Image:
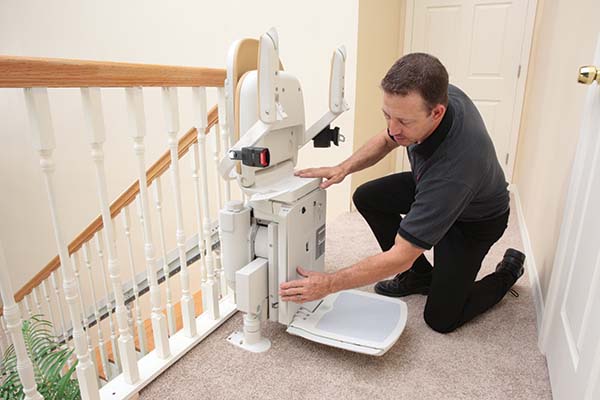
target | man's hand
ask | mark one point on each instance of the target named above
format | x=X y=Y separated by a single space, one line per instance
x=314 y=286
x=332 y=174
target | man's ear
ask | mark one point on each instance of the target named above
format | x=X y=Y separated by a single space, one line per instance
x=438 y=112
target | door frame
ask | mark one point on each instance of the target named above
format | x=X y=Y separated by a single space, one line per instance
x=524 y=58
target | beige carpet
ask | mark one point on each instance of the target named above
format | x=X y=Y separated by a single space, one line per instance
x=494 y=356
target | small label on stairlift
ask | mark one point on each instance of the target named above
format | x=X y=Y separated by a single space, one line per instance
x=320 y=245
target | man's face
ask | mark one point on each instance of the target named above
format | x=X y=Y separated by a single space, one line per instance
x=408 y=118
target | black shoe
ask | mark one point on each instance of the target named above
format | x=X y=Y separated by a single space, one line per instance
x=408 y=282
x=512 y=263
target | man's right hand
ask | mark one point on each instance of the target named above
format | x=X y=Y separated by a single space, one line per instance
x=331 y=174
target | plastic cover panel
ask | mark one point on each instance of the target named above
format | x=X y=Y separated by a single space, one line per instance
x=361 y=317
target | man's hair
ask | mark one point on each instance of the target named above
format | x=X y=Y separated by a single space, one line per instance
x=421 y=73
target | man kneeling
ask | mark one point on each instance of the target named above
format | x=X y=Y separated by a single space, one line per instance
x=455 y=200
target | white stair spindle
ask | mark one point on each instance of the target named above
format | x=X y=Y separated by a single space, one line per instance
x=43 y=139
x=224 y=134
x=14 y=322
x=75 y=263
x=124 y=354
x=109 y=303
x=57 y=297
x=86 y=321
x=138 y=131
x=225 y=145
x=198 y=193
x=4 y=338
x=38 y=306
x=213 y=144
x=51 y=313
x=188 y=312
x=136 y=291
x=210 y=290
x=65 y=328
x=163 y=249
x=101 y=343
x=214 y=147
x=27 y=302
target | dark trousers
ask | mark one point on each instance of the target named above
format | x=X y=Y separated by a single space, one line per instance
x=454 y=297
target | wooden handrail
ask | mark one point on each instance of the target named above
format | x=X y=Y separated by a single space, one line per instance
x=22 y=72
x=126 y=198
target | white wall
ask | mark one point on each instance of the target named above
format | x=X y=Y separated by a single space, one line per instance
x=564 y=39
x=179 y=32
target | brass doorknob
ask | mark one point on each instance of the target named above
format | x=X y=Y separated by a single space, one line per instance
x=588 y=74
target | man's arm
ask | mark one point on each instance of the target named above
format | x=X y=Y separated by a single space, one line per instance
x=369 y=154
x=317 y=285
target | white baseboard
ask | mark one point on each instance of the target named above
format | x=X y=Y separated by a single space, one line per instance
x=530 y=264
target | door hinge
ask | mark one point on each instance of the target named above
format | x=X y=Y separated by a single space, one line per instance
x=506 y=160
x=519 y=72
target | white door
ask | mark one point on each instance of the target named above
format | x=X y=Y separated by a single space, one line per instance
x=480 y=43
x=571 y=325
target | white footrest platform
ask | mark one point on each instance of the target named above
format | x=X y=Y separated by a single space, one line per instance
x=352 y=320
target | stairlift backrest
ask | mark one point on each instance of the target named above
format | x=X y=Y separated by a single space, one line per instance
x=241 y=58
x=284 y=135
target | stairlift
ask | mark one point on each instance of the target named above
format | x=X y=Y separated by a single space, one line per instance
x=282 y=224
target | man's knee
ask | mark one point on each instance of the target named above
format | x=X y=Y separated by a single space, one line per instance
x=439 y=324
x=360 y=197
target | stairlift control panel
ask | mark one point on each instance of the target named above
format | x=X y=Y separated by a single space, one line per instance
x=282 y=224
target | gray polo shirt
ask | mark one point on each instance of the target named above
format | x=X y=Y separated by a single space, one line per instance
x=457 y=175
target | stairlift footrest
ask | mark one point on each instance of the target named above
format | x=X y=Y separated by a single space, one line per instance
x=353 y=320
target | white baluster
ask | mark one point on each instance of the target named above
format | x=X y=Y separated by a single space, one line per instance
x=84 y=314
x=43 y=138
x=86 y=321
x=138 y=313
x=210 y=290
x=51 y=313
x=188 y=312
x=13 y=321
x=101 y=343
x=225 y=145
x=200 y=227
x=141 y=333
x=163 y=249
x=27 y=300
x=109 y=302
x=138 y=131
x=4 y=338
x=125 y=357
x=213 y=144
x=57 y=297
x=224 y=134
x=36 y=300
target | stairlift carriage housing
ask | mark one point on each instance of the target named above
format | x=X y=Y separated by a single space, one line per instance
x=282 y=225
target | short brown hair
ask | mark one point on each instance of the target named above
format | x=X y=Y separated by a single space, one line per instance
x=421 y=73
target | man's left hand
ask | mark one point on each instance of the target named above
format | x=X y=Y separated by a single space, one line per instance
x=314 y=286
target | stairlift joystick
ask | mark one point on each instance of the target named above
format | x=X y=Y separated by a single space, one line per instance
x=282 y=225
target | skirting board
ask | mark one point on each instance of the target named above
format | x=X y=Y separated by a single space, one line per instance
x=530 y=264
x=151 y=365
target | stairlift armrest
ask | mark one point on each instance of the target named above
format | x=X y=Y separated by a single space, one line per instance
x=317 y=127
x=337 y=101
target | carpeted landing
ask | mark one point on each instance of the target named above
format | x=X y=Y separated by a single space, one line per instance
x=494 y=356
